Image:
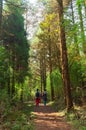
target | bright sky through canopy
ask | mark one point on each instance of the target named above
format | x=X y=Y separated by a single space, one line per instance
x=32 y=1
x=35 y=16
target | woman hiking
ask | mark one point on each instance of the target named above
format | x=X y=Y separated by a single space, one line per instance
x=37 y=97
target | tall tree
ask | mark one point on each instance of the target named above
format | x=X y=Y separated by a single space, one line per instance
x=43 y=67
x=64 y=59
x=15 y=41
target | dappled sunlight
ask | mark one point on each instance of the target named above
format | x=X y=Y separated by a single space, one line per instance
x=46 y=118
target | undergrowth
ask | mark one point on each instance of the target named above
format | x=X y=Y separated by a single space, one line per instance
x=77 y=118
x=19 y=117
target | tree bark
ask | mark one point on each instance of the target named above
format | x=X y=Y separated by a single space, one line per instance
x=64 y=59
x=82 y=28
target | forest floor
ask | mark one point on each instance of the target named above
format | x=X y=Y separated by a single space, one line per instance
x=26 y=116
x=47 y=119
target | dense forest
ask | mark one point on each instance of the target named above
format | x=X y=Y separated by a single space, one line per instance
x=42 y=46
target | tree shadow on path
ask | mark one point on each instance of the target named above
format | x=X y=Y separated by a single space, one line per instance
x=47 y=119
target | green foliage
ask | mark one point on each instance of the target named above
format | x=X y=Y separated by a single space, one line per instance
x=16 y=45
x=49 y=29
x=78 y=125
x=77 y=75
x=83 y=67
x=79 y=2
x=77 y=118
x=48 y=87
x=57 y=83
x=16 y=127
x=5 y=106
x=18 y=117
x=56 y=76
x=4 y=69
x=16 y=38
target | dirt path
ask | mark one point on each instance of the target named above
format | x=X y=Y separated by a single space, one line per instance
x=47 y=119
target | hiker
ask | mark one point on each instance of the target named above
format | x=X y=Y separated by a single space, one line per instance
x=37 y=97
x=45 y=97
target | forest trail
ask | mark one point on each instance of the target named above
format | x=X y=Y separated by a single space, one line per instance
x=47 y=119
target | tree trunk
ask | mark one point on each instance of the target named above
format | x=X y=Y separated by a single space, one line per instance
x=13 y=74
x=43 y=69
x=82 y=29
x=84 y=2
x=13 y=84
x=8 y=87
x=75 y=34
x=50 y=63
x=1 y=6
x=64 y=59
x=21 y=96
x=41 y=79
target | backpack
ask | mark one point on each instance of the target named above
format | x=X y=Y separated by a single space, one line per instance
x=37 y=94
x=45 y=96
